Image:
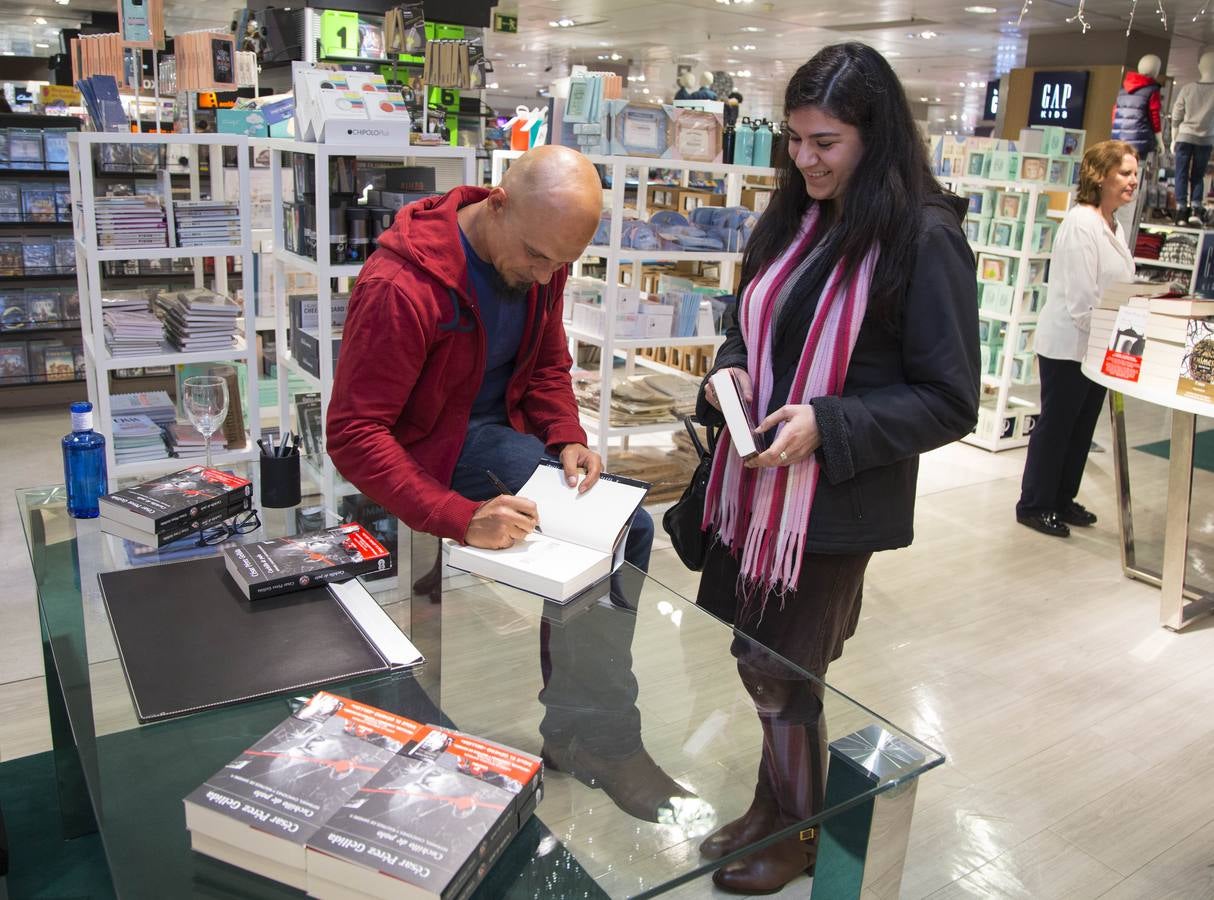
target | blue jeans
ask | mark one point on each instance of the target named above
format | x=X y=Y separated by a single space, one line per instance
x=1191 y=160
x=589 y=694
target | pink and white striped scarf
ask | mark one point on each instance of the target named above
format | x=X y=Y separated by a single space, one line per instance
x=763 y=514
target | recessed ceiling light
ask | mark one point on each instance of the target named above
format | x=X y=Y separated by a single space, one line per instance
x=644 y=90
x=891 y=53
x=43 y=46
x=638 y=78
x=922 y=99
x=492 y=85
x=982 y=10
x=615 y=57
x=936 y=100
x=752 y=28
x=953 y=117
x=38 y=20
x=562 y=22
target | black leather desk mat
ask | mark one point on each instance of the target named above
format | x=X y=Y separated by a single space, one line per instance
x=189 y=640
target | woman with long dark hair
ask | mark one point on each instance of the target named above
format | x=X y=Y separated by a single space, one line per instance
x=857 y=344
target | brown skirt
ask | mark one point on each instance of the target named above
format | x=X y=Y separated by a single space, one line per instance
x=808 y=626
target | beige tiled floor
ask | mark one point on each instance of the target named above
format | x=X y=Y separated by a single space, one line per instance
x=1078 y=732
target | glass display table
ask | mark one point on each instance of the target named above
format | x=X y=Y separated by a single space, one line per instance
x=631 y=691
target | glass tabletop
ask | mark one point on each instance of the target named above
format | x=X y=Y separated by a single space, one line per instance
x=632 y=694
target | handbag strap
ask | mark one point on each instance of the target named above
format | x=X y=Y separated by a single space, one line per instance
x=713 y=434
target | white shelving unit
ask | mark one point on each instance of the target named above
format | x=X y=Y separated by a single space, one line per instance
x=1153 y=266
x=89 y=257
x=616 y=257
x=325 y=271
x=1013 y=399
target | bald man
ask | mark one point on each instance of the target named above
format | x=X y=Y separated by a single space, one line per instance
x=454 y=358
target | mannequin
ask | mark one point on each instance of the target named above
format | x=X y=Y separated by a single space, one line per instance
x=706 y=92
x=1193 y=132
x=1136 y=118
x=687 y=83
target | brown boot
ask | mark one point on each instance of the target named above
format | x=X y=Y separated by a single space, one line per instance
x=757 y=822
x=770 y=869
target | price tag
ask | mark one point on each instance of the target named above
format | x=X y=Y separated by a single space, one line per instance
x=338 y=33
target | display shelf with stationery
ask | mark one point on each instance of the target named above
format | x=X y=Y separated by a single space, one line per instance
x=140 y=327
x=687 y=270
x=332 y=247
x=1011 y=232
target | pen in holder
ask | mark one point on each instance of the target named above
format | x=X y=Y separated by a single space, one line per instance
x=280 y=485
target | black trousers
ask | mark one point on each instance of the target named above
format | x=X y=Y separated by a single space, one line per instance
x=1059 y=445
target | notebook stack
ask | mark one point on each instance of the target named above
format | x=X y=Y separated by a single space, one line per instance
x=206 y=223
x=170 y=507
x=186 y=442
x=199 y=319
x=132 y=333
x=133 y=222
x=156 y=405
x=137 y=439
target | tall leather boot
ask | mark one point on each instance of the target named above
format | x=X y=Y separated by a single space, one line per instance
x=757 y=822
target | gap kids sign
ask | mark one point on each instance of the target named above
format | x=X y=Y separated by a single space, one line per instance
x=1058 y=99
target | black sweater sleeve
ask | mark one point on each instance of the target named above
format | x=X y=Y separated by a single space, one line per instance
x=936 y=402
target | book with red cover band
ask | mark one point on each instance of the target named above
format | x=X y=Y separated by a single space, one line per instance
x=269 y=568
x=169 y=501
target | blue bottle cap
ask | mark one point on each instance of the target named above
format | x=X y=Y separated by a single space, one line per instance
x=81 y=406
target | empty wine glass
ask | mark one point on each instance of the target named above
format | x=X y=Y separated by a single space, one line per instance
x=205 y=398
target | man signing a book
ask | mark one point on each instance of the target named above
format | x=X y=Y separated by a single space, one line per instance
x=455 y=361
x=455 y=364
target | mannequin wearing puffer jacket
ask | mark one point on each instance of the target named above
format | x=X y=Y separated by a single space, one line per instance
x=1136 y=115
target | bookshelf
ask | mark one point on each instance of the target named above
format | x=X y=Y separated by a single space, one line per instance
x=91 y=262
x=618 y=259
x=454 y=166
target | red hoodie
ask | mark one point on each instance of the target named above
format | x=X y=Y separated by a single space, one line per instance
x=413 y=358
x=1135 y=81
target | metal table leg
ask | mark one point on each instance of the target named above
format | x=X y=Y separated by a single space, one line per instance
x=861 y=851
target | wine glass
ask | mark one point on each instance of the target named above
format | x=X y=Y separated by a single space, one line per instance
x=205 y=398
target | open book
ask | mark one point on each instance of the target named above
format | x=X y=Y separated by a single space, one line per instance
x=582 y=535
x=737 y=415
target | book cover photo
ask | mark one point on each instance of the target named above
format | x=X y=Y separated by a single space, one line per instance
x=1196 y=381
x=163 y=502
x=268 y=568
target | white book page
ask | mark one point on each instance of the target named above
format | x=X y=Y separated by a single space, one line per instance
x=593 y=519
x=543 y=555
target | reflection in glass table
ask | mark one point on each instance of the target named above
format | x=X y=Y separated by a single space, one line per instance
x=630 y=692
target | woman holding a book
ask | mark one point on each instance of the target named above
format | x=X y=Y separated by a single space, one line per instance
x=856 y=346
x=1090 y=253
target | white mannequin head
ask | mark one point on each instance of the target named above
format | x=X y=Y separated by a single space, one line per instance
x=706 y=79
x=1205 y=66
x=1150 y=65
x=688 y=81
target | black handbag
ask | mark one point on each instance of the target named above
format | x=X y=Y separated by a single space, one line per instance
x=682 y=520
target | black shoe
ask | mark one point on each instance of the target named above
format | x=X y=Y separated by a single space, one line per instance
x=1182 y=215
x=1076 y=514
x=1046 y=523
x=635 y=783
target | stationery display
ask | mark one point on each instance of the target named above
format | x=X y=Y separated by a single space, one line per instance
x=206 y=61
x=200 y=223
x=132 y=333
x=269 y=568
x=582 y=539
x=137 y=439
x=199 y=319
x=141 y=23
x=349 y=107
x=418 y=810
x=136 y=221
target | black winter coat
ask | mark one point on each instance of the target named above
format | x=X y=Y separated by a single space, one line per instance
x=904 y=394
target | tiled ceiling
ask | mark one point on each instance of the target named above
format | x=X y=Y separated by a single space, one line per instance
x=939 y=49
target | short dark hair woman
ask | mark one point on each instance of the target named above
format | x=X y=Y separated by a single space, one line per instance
x=858 y=342
x=1089 y=254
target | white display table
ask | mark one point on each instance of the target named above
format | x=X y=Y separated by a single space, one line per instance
x=1178 y=606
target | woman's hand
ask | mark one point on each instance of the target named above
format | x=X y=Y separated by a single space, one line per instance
x=796 y=440
x=743 y=377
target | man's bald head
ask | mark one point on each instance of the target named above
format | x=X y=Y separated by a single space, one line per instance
x=558 y=190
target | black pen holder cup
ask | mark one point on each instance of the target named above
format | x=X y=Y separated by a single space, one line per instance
x=280 y=481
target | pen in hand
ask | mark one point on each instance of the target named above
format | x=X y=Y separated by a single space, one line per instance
x=502 y=489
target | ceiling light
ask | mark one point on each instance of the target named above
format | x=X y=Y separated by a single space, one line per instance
x=982 y=10
x=637 y=78
x=62 y=2
x=734 y=61
x=922 y=99
x=928 y=35
x=604 y=43
x=644 y=90
x=8 y=53
x=953 y=117
x=752 y=28
x=937 y=100
x=38 y=20
x=43 y=46
x=743 y=73
x=615 y=57
x=562 y=22
x=602 y=56
x=890 y=53
x=492 y=85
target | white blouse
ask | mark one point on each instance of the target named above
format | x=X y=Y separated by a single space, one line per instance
x=1088 y=256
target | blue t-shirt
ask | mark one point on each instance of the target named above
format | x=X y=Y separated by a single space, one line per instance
x=503 y=319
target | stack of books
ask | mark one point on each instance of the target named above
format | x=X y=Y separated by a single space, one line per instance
x=137 y=439
x=206 y=223
x=132 y=222
x=346 y=800
x=132 y=333
x=199 y=319
x=1149 y=341
x=156 y=405
x=170 y=507
x=186 y=442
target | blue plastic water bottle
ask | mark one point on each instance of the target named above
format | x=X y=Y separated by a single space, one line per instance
x=743 y=144
x=84 y=464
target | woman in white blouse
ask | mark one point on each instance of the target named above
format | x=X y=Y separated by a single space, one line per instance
x=1090 y=252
